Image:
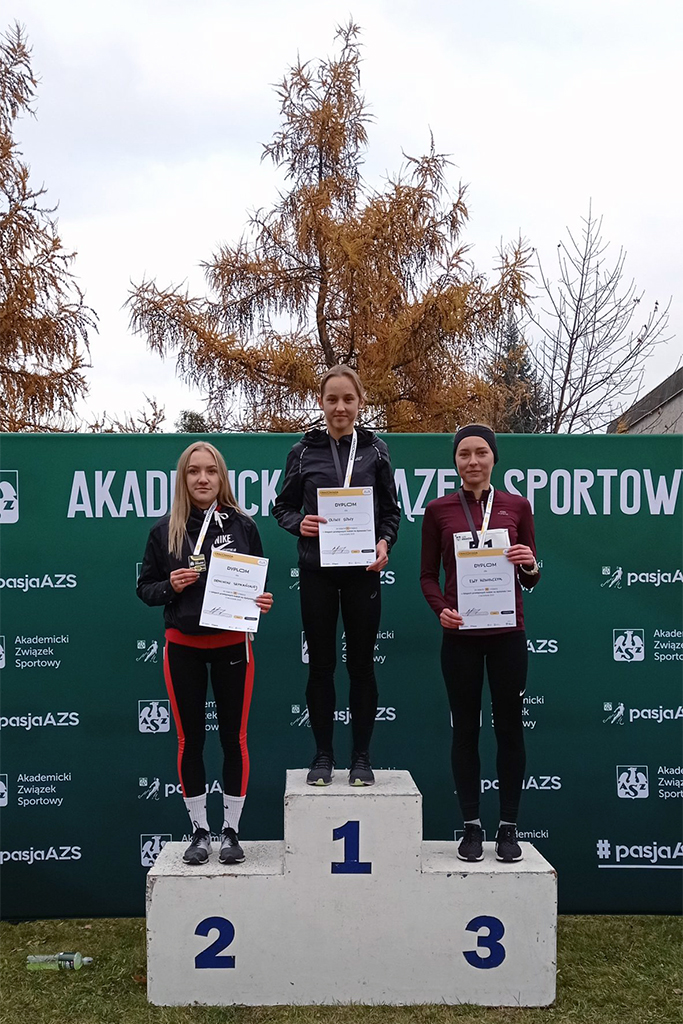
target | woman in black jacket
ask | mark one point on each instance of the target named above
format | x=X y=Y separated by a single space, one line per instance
x=204 y=516
x=321 y=459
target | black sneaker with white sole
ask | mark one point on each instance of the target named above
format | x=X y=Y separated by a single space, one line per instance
x=321 y=771
x=507 y=847
x=231 y=851
x=470 y=847
x=360 y=773
x=200 y=847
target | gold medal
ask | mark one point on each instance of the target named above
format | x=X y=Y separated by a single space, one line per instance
x=197 y=562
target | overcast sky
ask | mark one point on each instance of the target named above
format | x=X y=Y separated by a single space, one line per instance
x=151 y=115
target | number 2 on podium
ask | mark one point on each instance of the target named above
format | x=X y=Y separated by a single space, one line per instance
x=209 y=958
x=351 y=865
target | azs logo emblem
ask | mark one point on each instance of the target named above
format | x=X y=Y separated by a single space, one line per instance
x=628 y=644
x=9 y=496
x=3 y=790
x=151 y=846
x=632 y=781
x=154 y=716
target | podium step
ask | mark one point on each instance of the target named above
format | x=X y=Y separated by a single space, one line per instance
x=391 y=919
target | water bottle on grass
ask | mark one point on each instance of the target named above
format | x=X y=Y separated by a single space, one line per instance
x=57 y=962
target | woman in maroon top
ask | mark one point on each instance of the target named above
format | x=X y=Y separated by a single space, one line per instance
x=465 y=652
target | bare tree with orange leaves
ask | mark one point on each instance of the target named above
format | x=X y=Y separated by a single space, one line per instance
x=338 y=271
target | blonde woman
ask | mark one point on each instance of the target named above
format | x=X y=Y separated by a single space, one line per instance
x=322 y=458
x=204 y=516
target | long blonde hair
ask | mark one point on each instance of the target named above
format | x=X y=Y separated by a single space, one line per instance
x=180 y=509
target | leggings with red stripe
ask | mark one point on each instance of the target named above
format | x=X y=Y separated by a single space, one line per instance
x=186 y=670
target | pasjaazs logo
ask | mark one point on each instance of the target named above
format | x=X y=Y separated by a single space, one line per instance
x=150 y=790
x=52 y=581
x=32 y=856
x=655 y=578
x=148 y=651
x=650 y=855
x=546 y=782
x=617 y=714
x=30 y=721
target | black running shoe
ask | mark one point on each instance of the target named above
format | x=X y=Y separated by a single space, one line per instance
x=507 y=847
x=361 y=773
x=231 y=851
x=200 y=847
x=470 y=847
x=321 y=771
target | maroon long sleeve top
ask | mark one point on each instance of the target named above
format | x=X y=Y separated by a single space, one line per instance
x=446 y=516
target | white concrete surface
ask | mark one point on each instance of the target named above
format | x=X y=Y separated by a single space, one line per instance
x=407 y=923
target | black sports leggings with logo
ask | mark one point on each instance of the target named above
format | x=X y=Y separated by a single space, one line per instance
x=462 y=662
x=186 y=670
x=357 y=592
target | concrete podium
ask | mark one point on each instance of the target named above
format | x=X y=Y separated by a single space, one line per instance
x=353 y=906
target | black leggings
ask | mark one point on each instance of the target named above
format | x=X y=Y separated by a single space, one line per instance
x=322 y=592
x=232 y=680
x=462 y=664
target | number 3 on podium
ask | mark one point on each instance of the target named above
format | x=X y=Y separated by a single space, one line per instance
x=496 y=931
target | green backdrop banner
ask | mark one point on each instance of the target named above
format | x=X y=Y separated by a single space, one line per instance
x=88 y=784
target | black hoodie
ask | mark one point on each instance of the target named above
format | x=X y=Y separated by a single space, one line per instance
x=310 y=465
x=236 y=532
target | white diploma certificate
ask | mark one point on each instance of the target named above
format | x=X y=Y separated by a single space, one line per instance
x=348 y=536
x=233 y=583
x=486 y=586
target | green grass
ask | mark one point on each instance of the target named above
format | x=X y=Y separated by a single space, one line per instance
x=611 y=970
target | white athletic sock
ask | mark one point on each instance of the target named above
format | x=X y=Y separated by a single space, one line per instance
x=474 y=821
x=506 y=823
x=196 y=808
x=232 y=809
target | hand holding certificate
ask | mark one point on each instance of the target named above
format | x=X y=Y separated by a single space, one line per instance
x=486 y=588
x=347 y=538
x=234 y=582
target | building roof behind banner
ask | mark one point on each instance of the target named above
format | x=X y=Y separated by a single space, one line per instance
x=659 y=412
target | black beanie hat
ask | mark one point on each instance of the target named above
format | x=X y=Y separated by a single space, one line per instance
x=477 y=430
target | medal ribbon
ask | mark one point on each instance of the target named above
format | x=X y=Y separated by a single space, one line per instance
x=344 y=480
x=481 y=537
x=205 y=527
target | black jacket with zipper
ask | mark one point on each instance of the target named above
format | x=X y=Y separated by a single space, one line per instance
x=236 y=532
x=310 y=465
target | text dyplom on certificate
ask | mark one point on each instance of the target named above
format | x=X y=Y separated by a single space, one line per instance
x=486 y=588
x=348 y=536
x=233 y=583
